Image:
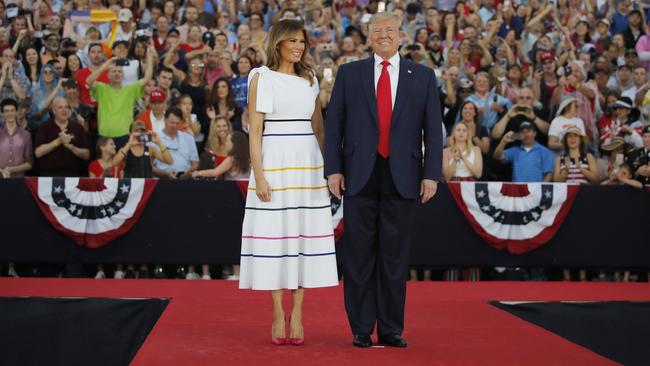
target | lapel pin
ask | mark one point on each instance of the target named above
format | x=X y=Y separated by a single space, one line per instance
x=409 y=71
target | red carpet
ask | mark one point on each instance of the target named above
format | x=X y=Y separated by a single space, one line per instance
x=212 y=322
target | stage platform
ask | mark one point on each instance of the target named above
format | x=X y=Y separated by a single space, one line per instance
x=214 y=323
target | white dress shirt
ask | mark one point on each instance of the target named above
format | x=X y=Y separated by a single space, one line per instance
x=393 y=72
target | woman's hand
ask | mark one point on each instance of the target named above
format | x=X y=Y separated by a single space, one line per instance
x=210 y=112
x=263 y=189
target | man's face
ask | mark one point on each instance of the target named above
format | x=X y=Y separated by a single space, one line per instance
x=385 y=37
x=8 y=55
x=165 y=79
x=158 y=108
x=640 y=75
x=9 y=113
x=635 y=20
x=61 y=109
x=221 y=41
x=96 y=55
x=116 y=74
x=191 y=14
x=624 y=74
x=525 y=98
x=71 y=94
x=52 y=43
x=528 y=136
x=171 y=123
x=121 y=51
x=20 y=24
x=646 y=140
x=470 y=32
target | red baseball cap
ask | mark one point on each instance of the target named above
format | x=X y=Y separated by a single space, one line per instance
x=547 y=55
x=157 y=96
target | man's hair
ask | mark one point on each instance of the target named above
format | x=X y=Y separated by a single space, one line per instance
x=162 y=69
x=8 y=101
x=158 y=6
x=174 y=111
x=95 y=44
x=380 y=17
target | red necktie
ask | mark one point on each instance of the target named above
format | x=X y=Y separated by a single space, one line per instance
x=385 y=110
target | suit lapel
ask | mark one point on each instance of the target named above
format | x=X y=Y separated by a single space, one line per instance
x=368 y=85
x=403 y=87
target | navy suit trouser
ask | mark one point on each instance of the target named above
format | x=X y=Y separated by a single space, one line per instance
x=376 y=254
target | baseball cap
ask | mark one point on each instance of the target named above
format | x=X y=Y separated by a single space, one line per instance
x=604 y=21
x=624 y=102
x=157 y=96
x=547 y=55
x=120 y=42
x=572 y=129
x=526 y=124
x=412 y=8
x=124 y=15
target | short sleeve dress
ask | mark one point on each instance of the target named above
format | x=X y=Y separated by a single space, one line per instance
x=288 y=242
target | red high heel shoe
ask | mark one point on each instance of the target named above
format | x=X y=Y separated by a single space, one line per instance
x=296 y=341
x=277 y=341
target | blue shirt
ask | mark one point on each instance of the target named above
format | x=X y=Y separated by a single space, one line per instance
x=182 y=149
x=240 y=90
x=490 y=117
x=619 y=23
x=531 y=165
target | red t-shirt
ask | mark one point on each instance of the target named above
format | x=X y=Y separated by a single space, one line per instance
x=114 y=172
x=84 y=90
x=187 y=48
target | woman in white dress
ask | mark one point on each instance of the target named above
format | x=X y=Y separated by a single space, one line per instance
x=287 y=236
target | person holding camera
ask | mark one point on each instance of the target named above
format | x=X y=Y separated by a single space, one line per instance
x=519 y=113
x=138 y=154
x=185 y=157
x=115 y=101
x=105 y=165
x=130 y=67
x=531 y=162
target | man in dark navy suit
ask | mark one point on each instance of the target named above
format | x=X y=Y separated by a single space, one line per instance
x=381 y=111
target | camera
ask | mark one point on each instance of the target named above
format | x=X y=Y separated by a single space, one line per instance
x=412 y=47
x=521 y=109
x=122 y=62
x=143 y=34
x=146 y=137
x=209 y=39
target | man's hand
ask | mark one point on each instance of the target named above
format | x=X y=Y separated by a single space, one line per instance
x=4 y=173
x=336 y=183
x=428 y=189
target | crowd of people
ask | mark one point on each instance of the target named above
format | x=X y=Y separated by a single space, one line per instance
x=531 y=90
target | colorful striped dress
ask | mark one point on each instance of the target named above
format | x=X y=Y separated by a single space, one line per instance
x=288 y=242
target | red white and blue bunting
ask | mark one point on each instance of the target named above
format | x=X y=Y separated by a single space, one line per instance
x=93 y=212
x=516 y=217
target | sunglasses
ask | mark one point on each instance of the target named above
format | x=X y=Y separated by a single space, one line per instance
x=198 y=65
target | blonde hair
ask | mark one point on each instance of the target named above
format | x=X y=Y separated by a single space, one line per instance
x=380 y=17
x=281 y=32
x=213 y=140
x=468 y=144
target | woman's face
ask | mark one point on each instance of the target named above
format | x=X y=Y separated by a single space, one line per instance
x=197 y=66
x=546 y=42
x=108 y=149
x=245 y=40
x=139 y=50
x=454 y=56
x=573 y=140
x=465 y=47
x=31 y=56
x=618 y=40
x=514 y=74
x=291 y=49
x=582 y=29
x=460 y=133
x=223 y=21
x=244 y=66
x=48 y=75
x=170 y=8
x=221 y=128
x=185 y=106
x=73 y=63
x=55 y=23
x=222 y=89
x=348 y=44
x=194 y=34
x=422 y=36
x=469 y=112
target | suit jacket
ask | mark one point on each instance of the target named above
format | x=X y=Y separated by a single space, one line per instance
x=352 y=127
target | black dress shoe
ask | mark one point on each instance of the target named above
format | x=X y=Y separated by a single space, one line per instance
x=362 y=340
x=392 y=340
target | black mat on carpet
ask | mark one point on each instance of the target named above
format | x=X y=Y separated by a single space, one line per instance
x=74 y=331
x=617 y=330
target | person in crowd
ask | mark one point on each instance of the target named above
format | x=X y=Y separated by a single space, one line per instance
x=13 y=82
x=96 y=59
x=477 y=134
x=116 y=102
x=566 y=119
x=531 y=162
x=104 y=166
x=522 y=111
x=61 y=144
x=81 y=113
x=489 y=103
x=462 y=159
x=48 y=87
x=239 y=83
x=185 y=158
x=575 y=164
x=32 y=64
x=72 y=66
x=130 y=66
x=137 y=156
x=639 y=159
x=621 y=124
x=16 y=154
x=190 y=122
x=222 y=100
x=154 y=116
x=219 y=142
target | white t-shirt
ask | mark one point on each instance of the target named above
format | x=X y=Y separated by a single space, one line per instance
x=157 y=125
x=561 y=124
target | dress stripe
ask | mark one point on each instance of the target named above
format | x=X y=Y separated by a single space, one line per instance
x=288 y=255
x=288 y=134
x=294 y=168
x=287 y=237
x=287 y=120
x=289 y=208
x=290 y=188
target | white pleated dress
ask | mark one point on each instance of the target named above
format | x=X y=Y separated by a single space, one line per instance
x=288 y=242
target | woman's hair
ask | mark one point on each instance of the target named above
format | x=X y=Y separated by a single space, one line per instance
x=55 y=79
x=468 y=144
x=214 y=96
x=240 y=152
x=101 y=142
x=67 y=73
x=213 y=139
x=39 y=65
x=189 y=69
x=281 y=32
